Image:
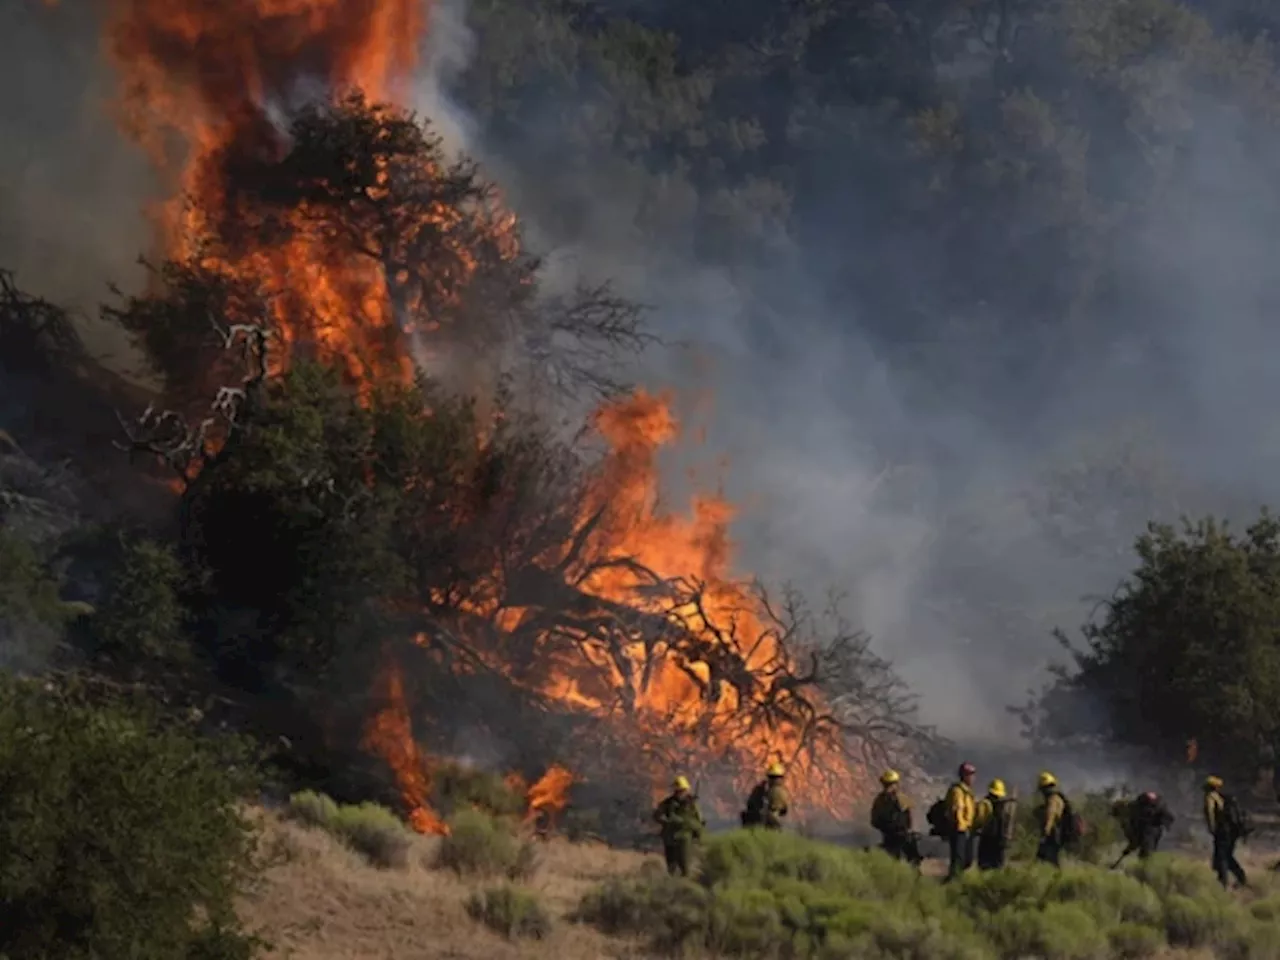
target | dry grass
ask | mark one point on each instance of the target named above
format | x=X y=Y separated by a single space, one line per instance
x=320 y=900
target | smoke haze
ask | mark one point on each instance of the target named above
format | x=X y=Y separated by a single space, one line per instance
x=969 y=483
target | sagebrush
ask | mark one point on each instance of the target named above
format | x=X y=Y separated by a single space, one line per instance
x=480 y=844
x=764 y=894
x=368 y=828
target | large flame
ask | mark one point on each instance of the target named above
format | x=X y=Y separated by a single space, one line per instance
x=390 y=736
x=204 y=85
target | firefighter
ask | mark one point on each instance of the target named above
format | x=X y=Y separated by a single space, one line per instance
x=681 y=823
x=1059 y=827
x=768 y=802
x=891 y=815
x=961 y=807
x=1226 y=826
x=1145 y=820
x=995 y=818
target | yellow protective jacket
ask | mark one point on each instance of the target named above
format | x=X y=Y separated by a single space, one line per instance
x=1051 y=813
x=996 y=818
x=961 y=807
x=1213 y=804
x=891 y=812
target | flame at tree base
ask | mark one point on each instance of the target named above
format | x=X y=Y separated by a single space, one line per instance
x=389 y=735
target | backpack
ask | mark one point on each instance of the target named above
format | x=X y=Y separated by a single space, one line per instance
x=1237 y=819
x=1071 y=827
x=939 y=819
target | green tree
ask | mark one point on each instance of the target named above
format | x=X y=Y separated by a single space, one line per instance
x=120 y=839
x=1188 y=647
x=140 y=615
x=29 y=589
x=292 y=541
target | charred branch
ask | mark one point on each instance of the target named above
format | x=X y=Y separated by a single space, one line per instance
x=183 y=446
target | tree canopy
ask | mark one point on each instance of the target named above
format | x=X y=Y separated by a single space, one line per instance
x=1188 y=648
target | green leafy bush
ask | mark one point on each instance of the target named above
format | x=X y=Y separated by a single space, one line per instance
x=367 y=828
x=764 y=894
x=510 y=911
x=28 y=589
x=141 y=616
x=456 y=787
x=672 y=912
x=120 y=839
x=483 y=845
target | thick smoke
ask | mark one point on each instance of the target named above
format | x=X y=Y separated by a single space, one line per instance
x=967 y=505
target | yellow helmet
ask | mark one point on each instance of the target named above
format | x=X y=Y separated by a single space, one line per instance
x=996 y=789
x=890 y=777
x=775 y=770
x=1213 y=783
x=680 y=783
x=1047 y=779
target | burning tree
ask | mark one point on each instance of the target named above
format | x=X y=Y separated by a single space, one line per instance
x=492 y=576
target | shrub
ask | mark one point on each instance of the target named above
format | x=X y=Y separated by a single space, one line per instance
x=510 y=911
x=483 y=845
x=375 y=832
x=763 y=894
x=1132 y=941
x=671 y=912
x=367 y=828
x=1200 y=923
x=456 y=787
x=117 y=833
x=1109 y=897
x=1059 y=931
x=1167 y=874
x=313 y=809
x=140 y=616
x=1019 y=887
x=29 y=590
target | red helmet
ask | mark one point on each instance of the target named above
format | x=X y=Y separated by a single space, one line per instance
x=967 y=769
x=1149 y=797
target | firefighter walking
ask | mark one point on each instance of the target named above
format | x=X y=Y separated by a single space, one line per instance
x=1144 y=821
x=1055 y=819
x=1227 y=827
x=768 y=802
x=994 y=822
x=681 y=826
x=891 y=816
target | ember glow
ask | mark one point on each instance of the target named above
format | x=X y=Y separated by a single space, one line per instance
x=204 y=85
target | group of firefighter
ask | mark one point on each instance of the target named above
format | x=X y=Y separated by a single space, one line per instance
x=976 y=829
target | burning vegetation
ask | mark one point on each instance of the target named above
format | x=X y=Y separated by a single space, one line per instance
x=532 y=592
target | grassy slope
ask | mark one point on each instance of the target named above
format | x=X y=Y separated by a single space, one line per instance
x=322 y=901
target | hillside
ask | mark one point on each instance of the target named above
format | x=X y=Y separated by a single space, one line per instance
x=323 y=901
x=320 y=900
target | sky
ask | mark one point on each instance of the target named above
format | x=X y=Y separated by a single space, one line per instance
x=964 y=513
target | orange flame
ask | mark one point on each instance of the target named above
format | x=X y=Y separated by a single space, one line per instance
x=389 y=735
x=550 y=794
x=212 y=76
